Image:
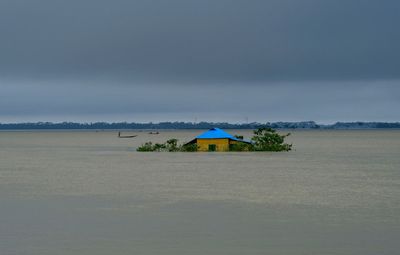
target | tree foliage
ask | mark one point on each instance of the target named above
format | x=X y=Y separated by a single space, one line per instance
x=189 y=147
x=267 y=139
x=171 y=146
x=241 y=146
x=146 y=147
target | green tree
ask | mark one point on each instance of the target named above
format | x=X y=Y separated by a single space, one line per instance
x=267 y=139
x=241 y=146
x=146 y=147
x=189 y=147
x=172 y=145
x=159 y=147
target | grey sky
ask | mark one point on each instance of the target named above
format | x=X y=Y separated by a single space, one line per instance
x=221 y=60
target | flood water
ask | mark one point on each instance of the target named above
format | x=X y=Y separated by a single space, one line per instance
x=90 y=193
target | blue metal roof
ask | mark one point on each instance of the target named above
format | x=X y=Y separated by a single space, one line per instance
x=215 y=133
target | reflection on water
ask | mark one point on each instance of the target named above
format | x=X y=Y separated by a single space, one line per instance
x=62 y=193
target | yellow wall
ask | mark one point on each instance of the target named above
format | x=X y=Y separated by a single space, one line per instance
x=222 y=144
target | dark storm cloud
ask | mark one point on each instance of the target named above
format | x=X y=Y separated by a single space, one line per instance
x=208 y=40
x=219 y=60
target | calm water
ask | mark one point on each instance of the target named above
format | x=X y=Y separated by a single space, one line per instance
x=91 y=193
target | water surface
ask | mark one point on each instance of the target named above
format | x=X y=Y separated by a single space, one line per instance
x=90 y=192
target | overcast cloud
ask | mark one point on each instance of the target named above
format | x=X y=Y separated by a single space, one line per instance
x=218 y=60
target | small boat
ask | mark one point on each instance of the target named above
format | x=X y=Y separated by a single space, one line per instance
x=154 y=133
x=125 y=136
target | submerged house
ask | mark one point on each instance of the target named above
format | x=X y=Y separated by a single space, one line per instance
x=216 y=139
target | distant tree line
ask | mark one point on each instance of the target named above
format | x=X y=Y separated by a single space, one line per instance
x=200 y=125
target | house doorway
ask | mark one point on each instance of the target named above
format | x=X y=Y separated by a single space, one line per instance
x=212 y=147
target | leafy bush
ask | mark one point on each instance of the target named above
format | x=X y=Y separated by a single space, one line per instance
x=146 y=147
x=159 y=147
x=240 y=146
x=171 y=145
x=189 y=147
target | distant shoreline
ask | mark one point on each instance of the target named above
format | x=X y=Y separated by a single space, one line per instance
x=305 y=125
